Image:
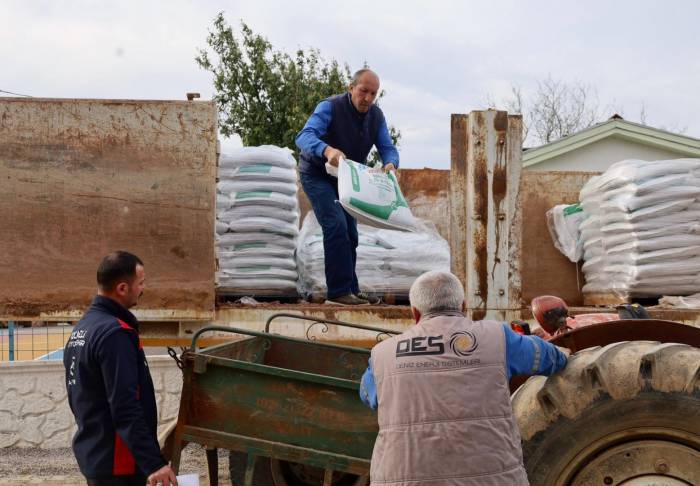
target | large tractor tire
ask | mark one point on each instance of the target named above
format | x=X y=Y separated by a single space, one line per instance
x=624 y=414
x=272 y=472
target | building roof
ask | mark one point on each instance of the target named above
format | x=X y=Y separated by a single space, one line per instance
x=619 y=128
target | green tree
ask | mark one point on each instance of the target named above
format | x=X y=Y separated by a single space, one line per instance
x=265 y=95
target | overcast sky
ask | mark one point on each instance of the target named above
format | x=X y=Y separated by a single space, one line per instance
x=434 y=57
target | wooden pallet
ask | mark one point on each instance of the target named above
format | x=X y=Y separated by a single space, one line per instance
x=605 y=299
x=386 y=298
x=228 y=293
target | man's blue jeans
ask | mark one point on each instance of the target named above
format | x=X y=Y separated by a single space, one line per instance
x=339 y=234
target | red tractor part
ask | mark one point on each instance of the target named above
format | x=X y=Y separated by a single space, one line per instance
x=550 y=311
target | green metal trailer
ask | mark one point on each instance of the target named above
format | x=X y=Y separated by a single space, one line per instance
x=287 y=408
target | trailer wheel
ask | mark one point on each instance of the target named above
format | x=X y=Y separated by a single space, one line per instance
x=273 y=472
x=627 y=413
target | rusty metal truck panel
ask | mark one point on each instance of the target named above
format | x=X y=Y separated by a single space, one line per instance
x=544 y=269
x=81 y=178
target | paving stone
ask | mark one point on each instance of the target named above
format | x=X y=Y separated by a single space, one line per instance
x=171 y=406
x=8 y=439
x=36 y=404
x=54 y=388
x=29 y=429
x=58 y=440
x=8 y=422
x=20 y=382
x=12 y=402
x=58 y=419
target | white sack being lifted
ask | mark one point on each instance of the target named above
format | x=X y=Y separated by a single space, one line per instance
x=373 y=197
x=641 y=235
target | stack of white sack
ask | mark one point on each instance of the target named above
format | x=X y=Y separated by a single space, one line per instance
x=388 y=261
x=641 y=236
x=257 y=221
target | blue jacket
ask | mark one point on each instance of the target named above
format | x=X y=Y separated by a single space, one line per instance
x=525 y=355
x=336 y=122
x=111 y=395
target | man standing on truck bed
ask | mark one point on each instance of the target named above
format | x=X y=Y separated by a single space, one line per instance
x=110 y=390
x=441 y=389
x=345 y=125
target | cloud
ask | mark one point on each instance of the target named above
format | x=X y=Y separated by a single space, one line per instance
x=434 y=58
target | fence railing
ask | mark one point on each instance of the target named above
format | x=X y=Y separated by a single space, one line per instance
x=27 y=341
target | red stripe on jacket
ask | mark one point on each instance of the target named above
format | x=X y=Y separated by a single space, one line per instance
x=124 y=462
x=129 y=328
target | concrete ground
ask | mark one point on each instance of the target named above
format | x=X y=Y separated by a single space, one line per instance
x=57 y=467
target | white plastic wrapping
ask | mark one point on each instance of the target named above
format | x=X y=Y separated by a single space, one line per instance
x=231 y=241
x=641 y=235
x=263 y=155
x=388 y=261
x=257 y=221
x=234 y=186
x=251 y=211
x=563 y=222
x=259 y=172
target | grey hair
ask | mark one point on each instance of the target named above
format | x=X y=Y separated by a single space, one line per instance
x=359 y=73
x=436 y=292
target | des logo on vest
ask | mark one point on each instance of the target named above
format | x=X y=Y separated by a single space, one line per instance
x=420 y=346
x=462 y=343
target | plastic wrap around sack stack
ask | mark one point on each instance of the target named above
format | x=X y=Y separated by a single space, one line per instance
x=388 y=261
x=257 y=221
x=641 y=236
x=563 y=222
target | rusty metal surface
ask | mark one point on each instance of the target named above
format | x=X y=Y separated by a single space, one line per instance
x=80 y=178
x=476 y=288
x=427 y=192
x=485 y=240
x=514 y=210
x=279 y=397
x=459 y=222
x=628 y=330
x=396 y=318
x=545 y=271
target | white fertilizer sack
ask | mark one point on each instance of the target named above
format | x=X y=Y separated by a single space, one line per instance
x=265 y=154
x=252 y=211
x=259 y=172
x=235 y=186
x=373 y=197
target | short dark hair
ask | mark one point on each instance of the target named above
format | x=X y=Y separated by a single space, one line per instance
x=118 y=266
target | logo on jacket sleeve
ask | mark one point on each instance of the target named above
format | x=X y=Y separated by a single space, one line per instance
x=463 y=343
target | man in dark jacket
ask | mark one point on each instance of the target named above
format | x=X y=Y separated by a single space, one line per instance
x=342 y=126
x=110 y=390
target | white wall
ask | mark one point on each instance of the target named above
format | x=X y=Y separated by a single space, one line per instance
x=34 y=408
x=598 y=156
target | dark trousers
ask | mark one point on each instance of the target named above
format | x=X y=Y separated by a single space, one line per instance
x=135 y=480
x=339 y=234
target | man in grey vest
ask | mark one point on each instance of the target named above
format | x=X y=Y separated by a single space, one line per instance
x=441 y=390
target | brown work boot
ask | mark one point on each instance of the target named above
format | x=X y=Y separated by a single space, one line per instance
x=349 y=299
x=372 y=300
